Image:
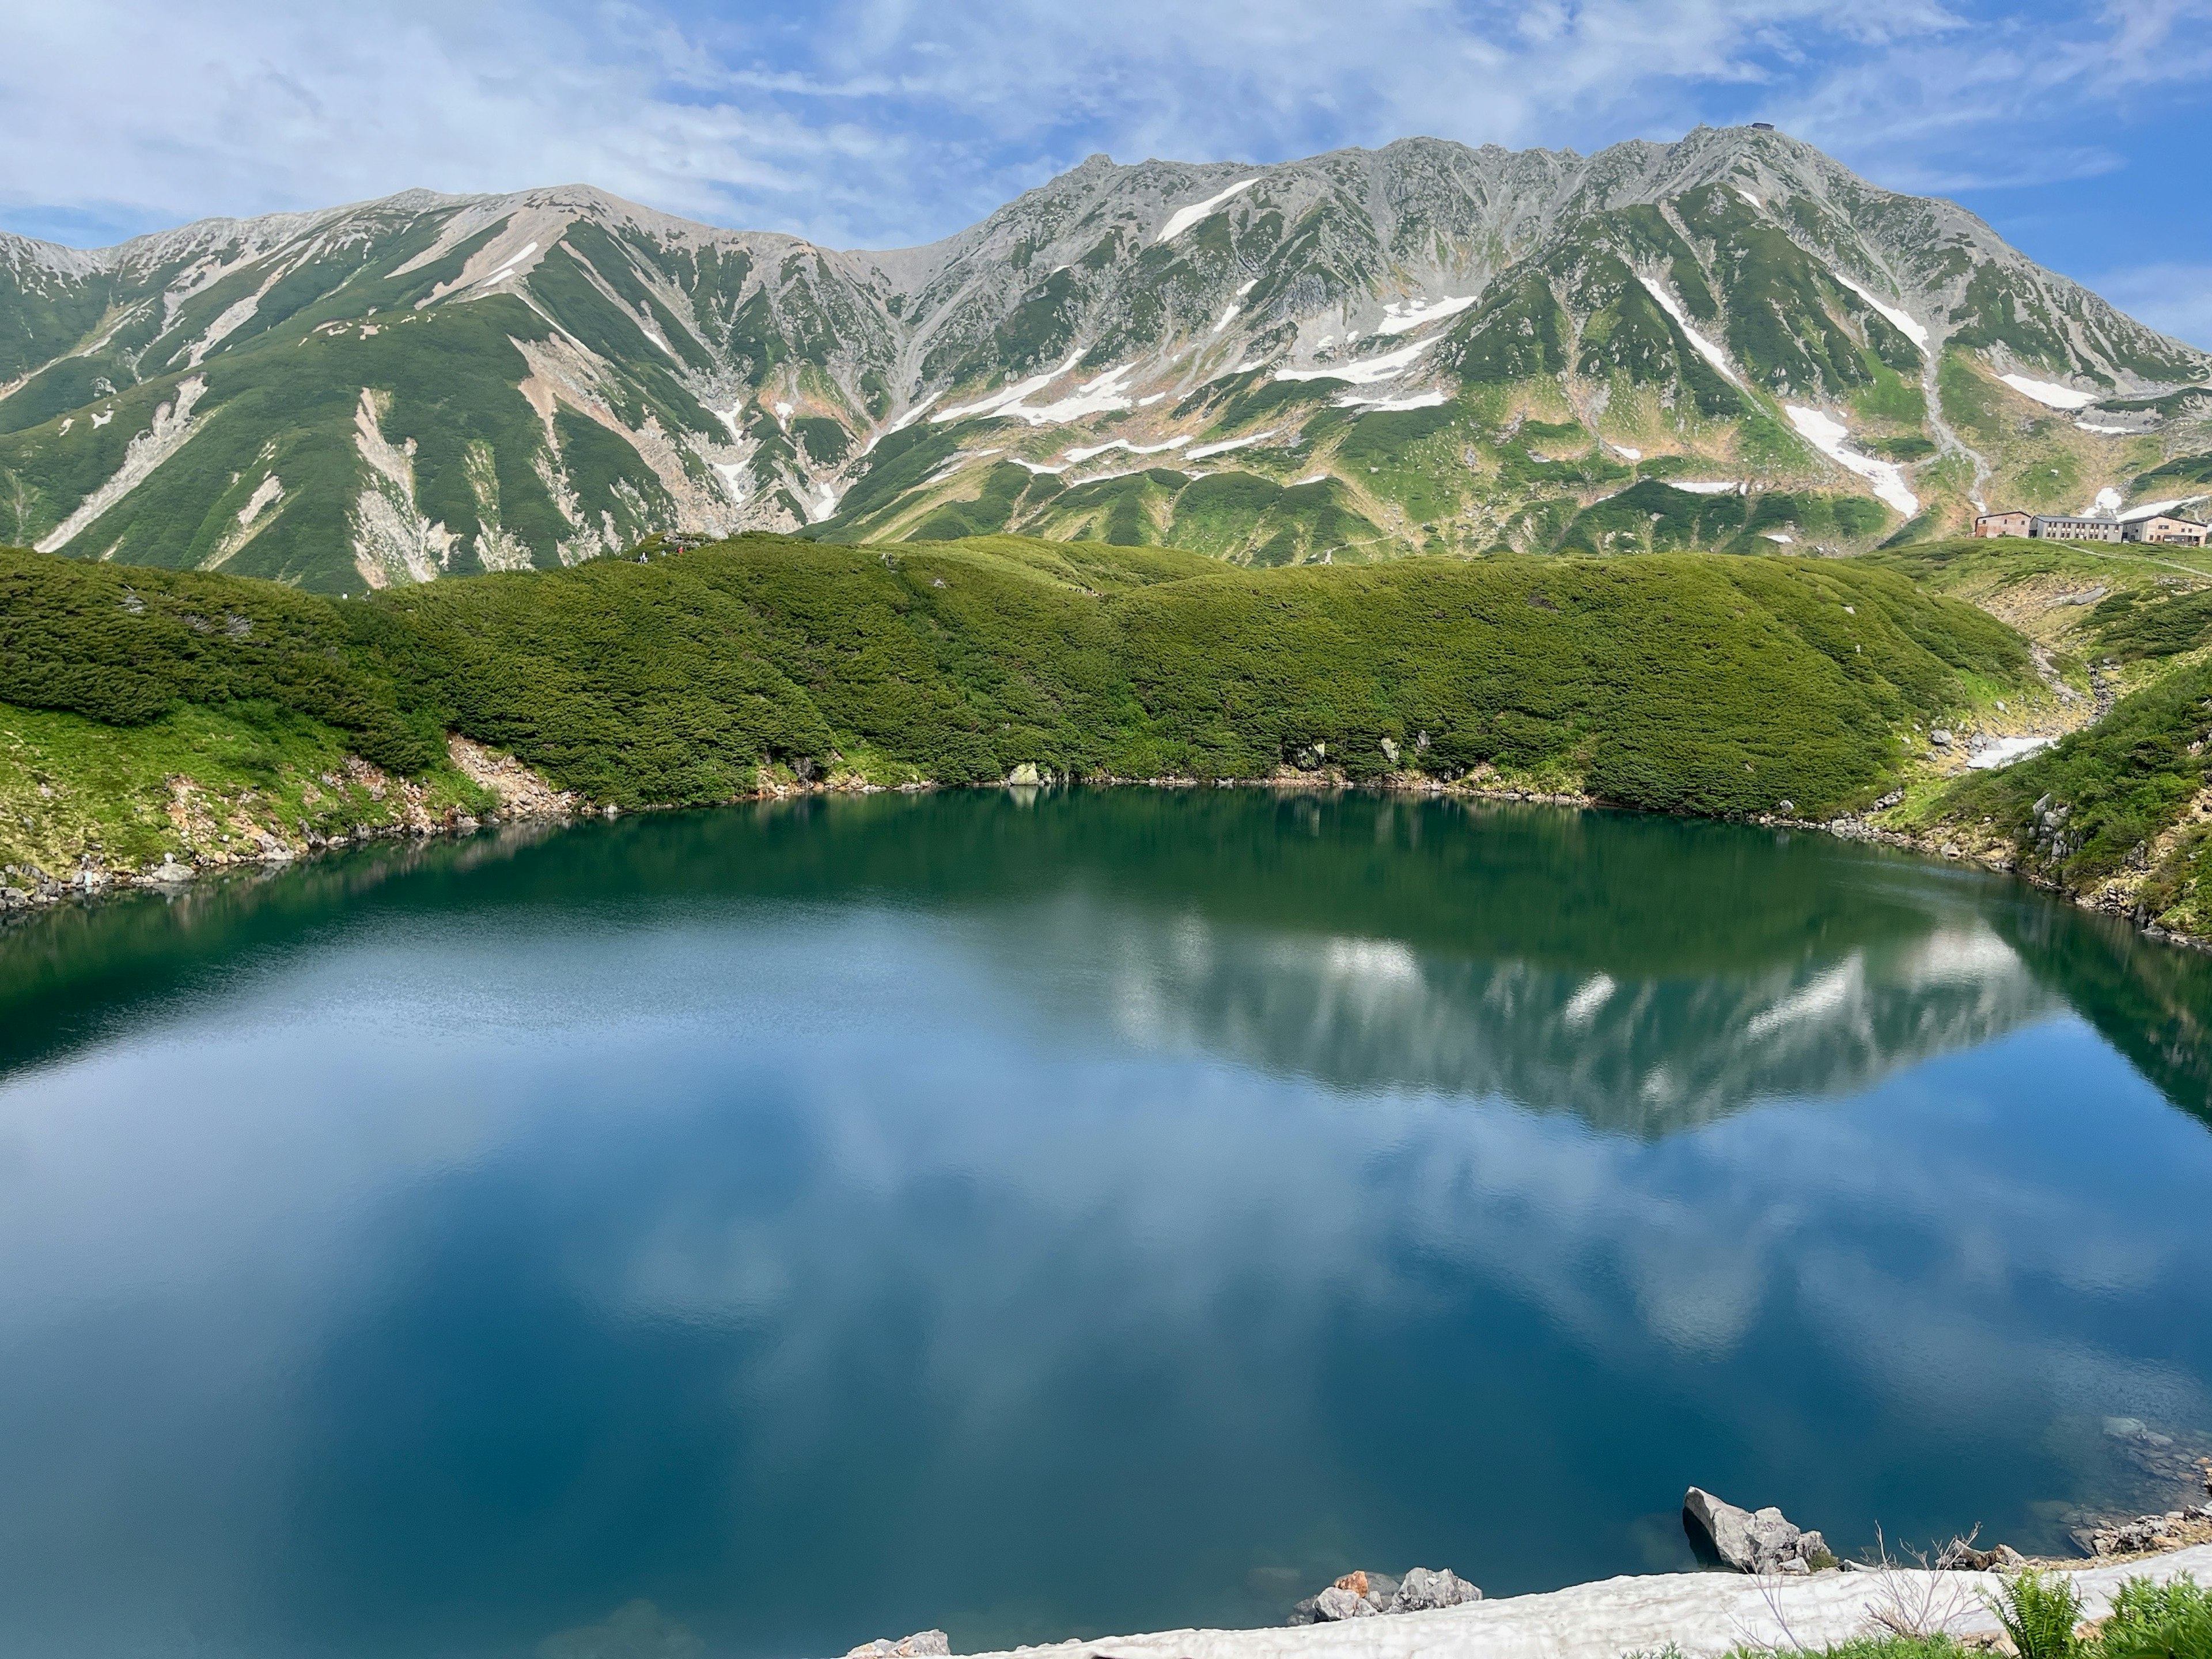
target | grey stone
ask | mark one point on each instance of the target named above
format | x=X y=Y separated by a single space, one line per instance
x=1337 y=1603
x=1762 y=1540
x=1424 y=1588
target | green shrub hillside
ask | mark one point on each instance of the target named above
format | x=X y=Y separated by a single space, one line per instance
x=1688 y=682
x=2117 y=810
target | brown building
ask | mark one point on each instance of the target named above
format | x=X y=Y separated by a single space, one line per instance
x=2003 y=524
x=2164 y=527
x=2062 y=529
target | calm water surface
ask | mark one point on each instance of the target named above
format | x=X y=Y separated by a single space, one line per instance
x=753 y=1232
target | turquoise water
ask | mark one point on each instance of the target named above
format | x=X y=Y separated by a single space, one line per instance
x=753 y=1232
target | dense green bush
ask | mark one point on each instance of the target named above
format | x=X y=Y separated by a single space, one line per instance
x=1691 y=683
x=2122 y=782
x=127 y=645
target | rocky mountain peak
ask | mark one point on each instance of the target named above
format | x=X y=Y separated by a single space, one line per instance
x=1727 y=340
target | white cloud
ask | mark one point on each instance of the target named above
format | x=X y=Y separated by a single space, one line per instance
x=877 y=121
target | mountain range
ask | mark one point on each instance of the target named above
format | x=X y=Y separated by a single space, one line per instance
x=1731 y=342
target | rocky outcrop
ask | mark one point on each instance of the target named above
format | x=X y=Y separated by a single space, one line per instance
x=1751 y=1540
x=2147 y=1535
x=1363 y=1595
x=522 y=790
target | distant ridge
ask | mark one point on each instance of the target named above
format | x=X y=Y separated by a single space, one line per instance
x=1728 y=341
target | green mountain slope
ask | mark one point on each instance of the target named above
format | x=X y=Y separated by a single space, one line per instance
x=1681 y=682
x=1361 y=355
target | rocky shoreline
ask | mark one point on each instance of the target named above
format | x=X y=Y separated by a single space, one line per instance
x=525 y=795
x=1799 y=1595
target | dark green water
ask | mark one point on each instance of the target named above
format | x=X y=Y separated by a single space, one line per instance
x=1060 y=1216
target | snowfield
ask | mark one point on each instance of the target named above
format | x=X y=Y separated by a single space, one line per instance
x=1829 y=436
x=1902 y=321
x=1711 y=353
x=2045 y=392
x=1183 y=218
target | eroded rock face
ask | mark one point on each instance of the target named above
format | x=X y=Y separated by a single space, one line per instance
x=1750 y=1541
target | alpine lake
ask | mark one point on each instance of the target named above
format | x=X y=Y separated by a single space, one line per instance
x=1037 y=1214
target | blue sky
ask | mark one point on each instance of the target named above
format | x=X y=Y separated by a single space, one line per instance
x=2079 y=130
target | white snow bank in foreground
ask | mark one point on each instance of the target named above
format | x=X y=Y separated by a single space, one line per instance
x=2109 y=431
x=1902 y=321
x=1711 y=353
x=2003 y=752
x=1183 y=218
x=1828 y=435
x=2044 y=391
x=1708 y=486
x=2107 y=501
x=1704 y=1614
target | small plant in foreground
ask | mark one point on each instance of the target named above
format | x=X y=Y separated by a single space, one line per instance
x=2160 y=1621
x=2039 y=1612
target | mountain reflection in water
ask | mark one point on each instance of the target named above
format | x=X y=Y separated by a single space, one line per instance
x=753 y=1231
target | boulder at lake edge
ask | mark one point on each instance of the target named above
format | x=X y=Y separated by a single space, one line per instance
x=1363 y=1595
x=1748 y=1541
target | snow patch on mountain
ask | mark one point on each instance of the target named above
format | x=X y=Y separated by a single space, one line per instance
x=1367 y=371
x=2049 y=394
x=1001 y=401
x=1183 y=218
x=1829 y=436
x=1902 y=321
x=508 y=267
x=1229 y=444
x=1100 y=397
x=1706 y=349
x=1419 y=313
x=1386 y=406
x=1078 y=456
